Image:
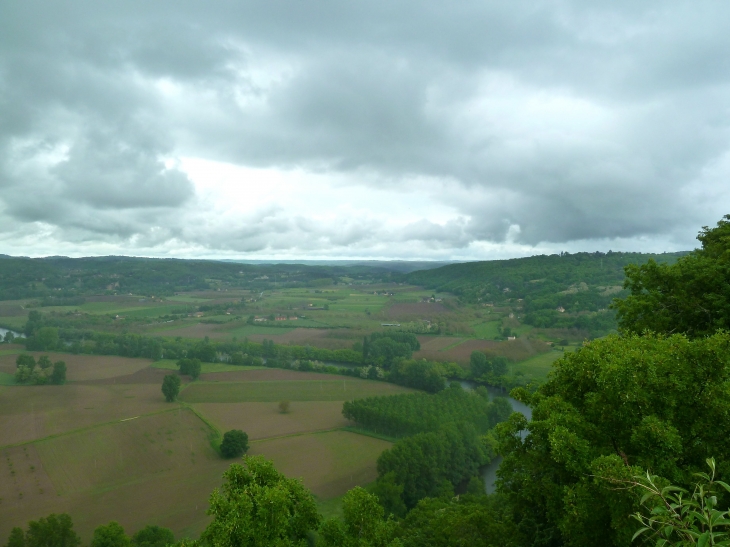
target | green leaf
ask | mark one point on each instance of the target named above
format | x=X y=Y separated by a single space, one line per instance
x=702 y=541
x=639 y=532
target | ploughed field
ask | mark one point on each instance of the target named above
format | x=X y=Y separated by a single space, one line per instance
x=106 y=446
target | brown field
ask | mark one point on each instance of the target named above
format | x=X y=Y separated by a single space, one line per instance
x=84 y=367
x=295 y=337
x=265 y=375
x=145 y=376
x=437 y=343
x=10 y=310
x=419 y=309
x=33 y=412
x=263 y=420
x=159 y=469
x=329 y=463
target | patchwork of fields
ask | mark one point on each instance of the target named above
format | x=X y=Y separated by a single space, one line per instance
x=106 y=447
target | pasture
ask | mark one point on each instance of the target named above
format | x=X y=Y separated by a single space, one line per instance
x=263 y=420
x=109 y=447
x=83 y=367
x=344 y=389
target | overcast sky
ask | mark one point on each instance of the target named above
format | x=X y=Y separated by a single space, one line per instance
x=381 y=129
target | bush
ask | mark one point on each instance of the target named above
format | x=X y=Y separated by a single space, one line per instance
x=235 y=443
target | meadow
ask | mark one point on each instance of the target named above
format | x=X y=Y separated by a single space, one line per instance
x=105 y=447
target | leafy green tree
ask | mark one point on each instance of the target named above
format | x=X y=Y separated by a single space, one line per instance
x=676 y=518
x=58 y=376
x=363 y=524
x=44 y=362
x=461 y=522
x=617 y=406
x=153 y=536
x=23 y=375
x=52 y=531
x=9 y=337
x=190 y=367
x=390 y=495
x=258 y=507
x=171 y=387
x=45 y=338
x=690 y=296
x=109 y=535
x=234 y=444
x=25 y=360
x=17 y=538
x=478 y=364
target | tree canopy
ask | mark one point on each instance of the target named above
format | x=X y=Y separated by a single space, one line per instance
x=691 y=296
x=234 y=444
x=615 y=408
x=171 y=387
x=258 y=507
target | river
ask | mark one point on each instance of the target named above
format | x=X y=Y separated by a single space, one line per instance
x=3 y=332
x=489 y=472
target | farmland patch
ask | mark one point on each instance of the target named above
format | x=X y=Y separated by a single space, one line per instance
x=264 y=420
x=329 y=463
x=344 y=389
x=84 y=367
x=28 y=413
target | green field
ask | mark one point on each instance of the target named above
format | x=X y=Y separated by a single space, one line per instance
x=540 y=365
x=169 y=364
x=488 y=330
x=296 y=390
x=7 y=379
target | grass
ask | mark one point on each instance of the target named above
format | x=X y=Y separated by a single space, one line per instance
x=293 y=390
x=7 y=379
x=263 y=420
x=539 y=365
x=169 y=364
x=488 y=330
x=330 y=463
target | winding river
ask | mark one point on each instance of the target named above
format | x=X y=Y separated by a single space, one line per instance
x=489 y=472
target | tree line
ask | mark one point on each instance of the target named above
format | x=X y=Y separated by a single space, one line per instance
x=412 y=413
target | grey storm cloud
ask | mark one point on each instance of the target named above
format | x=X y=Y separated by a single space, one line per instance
x=536 y=123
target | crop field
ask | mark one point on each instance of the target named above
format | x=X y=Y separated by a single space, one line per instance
x=344 y=389
x=84 y=367
x=329 y=463
x=110 y=448
x=157 y=469
x=28 y=413
x=263 y=420
x=459 y=350
x=540 y=365
x=169 y=364
x=253 y=374
x=415 y=310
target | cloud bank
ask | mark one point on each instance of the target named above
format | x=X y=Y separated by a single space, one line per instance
x=381 y=129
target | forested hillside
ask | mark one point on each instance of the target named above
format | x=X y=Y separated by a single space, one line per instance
x=556 y=291
x=61 y=279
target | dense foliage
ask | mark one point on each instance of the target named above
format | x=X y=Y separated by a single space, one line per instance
x=40 y=373
x=433 y=464
x=234 y=444
x=412 y=413
x=691 y=296
x=556 y=291
x=170 y=387
x=385 y=348
x=612 y=410
x=258 y=506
